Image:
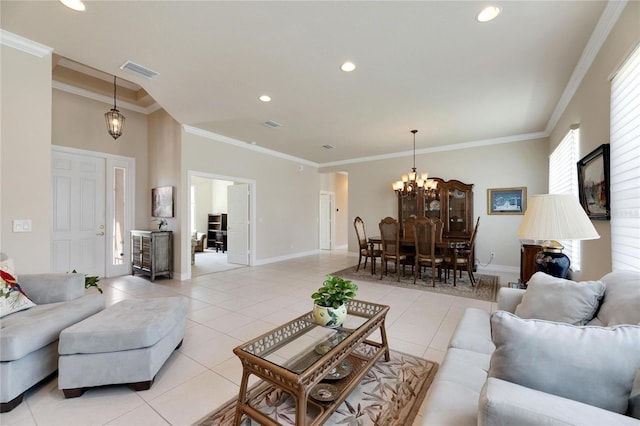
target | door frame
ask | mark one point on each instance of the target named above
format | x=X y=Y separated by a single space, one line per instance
x=112 y=160
x=332 y=218
x=186 y=237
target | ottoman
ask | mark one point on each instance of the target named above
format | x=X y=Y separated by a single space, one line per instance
x=125 y=343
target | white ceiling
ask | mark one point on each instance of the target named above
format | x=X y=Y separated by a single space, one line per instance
x=420 y=65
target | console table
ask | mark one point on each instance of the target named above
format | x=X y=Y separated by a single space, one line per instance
x=299 y=354
x=152 y=253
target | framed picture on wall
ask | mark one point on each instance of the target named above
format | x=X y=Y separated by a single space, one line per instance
x=162 y=202
x=593 y=183
x=506 y=200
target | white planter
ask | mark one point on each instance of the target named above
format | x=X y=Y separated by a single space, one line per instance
x=330 y=317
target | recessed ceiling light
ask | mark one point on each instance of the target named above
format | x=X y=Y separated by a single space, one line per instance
x=74 y=4
x=265 y=98
x=348 y=67
x=489 y=13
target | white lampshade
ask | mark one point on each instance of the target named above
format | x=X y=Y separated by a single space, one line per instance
x=556 y=217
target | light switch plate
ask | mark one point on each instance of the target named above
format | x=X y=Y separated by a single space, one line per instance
x=22 y=225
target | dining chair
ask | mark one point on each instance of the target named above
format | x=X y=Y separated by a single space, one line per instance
x=425 y=248
x=464 y=257
x=390 y=236
x=365 y=250
x=406 y=241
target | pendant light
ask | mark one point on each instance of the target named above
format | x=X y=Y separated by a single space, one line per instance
x=414 y=183
x=115 y=120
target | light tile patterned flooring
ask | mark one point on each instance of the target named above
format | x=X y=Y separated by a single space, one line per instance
x=226 y=309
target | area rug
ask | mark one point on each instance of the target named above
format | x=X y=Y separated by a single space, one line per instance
x=390 y=394
x=486 y=287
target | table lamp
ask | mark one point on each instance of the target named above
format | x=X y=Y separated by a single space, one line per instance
x=551 y=217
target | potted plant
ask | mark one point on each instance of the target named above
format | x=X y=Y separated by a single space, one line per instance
x=330 y=301
x=90 y=281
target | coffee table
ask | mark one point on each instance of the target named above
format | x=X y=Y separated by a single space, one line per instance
x=297 y=356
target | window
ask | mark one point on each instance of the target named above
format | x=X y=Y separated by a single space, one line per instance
x=563 y=179
x=625 y=165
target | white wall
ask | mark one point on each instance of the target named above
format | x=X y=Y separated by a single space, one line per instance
x=590 y=108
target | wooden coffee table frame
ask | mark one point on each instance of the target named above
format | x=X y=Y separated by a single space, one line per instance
x=252 y=355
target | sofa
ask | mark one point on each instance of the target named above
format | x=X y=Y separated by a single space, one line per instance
x=200 y=239
x=29 y=338
x=558 y=353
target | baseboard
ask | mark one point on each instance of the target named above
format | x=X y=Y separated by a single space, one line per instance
x=286 y=257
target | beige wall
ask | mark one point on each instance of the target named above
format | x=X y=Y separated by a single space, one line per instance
x=589 y=108
x=25 y=158
x=286 y=197
x=78 y=122
x=165 y=153
x=496 y=166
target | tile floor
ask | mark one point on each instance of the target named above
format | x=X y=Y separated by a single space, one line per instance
x=226 y=309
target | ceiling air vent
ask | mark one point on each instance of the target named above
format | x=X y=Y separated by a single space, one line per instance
x=327 y=146
x=272 y=124
x=139 y=69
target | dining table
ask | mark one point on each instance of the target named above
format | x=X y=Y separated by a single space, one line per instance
x=449 y=245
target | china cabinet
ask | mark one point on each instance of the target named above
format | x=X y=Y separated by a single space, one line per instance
x=452 y=202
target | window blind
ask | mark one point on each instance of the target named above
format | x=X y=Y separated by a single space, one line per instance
x=625 y=165
x=563 y=179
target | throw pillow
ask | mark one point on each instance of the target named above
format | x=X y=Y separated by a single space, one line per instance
x=593 y=365
x=12 y=298
x=556 y=299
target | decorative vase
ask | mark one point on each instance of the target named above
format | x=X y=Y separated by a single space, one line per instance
x=330 y=317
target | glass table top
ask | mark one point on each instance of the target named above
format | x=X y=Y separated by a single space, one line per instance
x=298 y=344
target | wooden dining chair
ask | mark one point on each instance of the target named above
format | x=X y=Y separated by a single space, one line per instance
x=425 y=248
x=406 y=242
x=464 y=256
x=390 y=236
x=364 y=249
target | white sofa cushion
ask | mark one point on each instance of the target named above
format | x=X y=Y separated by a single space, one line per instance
x=472 y=332
x=504 y=403
x=556 y=299
x=621 y=299
x=594 y=365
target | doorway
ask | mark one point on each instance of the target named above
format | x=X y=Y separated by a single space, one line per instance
x=210 y=196
x=92 y=210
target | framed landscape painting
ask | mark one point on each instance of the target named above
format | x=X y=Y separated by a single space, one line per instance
x=506 y=200
x=593 y=183
x=162 y=202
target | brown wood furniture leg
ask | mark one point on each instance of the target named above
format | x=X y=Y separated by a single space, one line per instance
x=242 y=396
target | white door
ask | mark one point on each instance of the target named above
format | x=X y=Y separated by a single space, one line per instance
x=326 y=210
x=78 y=214
x=238 y=224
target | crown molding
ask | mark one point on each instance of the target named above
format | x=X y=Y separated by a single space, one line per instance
x=605 y=24
x=101 y=98
x=236 y=142
x=24 y=44
x=443 y=148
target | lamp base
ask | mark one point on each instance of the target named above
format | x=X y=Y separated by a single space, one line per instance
x=553 y=262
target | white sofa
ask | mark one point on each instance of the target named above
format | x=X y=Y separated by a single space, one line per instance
x=477 y=382
x=29 y=338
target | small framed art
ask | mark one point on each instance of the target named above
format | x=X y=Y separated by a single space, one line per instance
x=506 y=200
x=593 y=183
x=162 y=202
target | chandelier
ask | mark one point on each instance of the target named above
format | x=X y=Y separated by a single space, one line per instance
x=414 y=184
x=115 y=120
